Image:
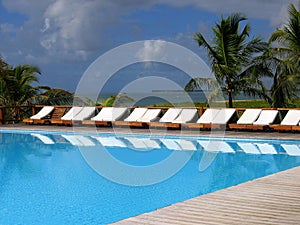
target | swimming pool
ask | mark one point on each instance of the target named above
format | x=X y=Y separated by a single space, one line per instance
x=44 y=178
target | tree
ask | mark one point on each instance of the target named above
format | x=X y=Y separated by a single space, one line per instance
x=54 y=96
x=284 y=56
x=17 y=88
x=232 y=58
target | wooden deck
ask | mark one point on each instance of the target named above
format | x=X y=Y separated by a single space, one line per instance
x=274 y=199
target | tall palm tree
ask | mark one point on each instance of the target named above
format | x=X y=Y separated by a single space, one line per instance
x=232 y=55
x=285 y=57
x=17 y=88
x=17 y=85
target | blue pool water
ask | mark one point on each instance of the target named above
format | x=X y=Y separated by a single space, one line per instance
x=53 y=184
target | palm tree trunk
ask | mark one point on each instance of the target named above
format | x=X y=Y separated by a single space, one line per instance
x=230 y=104
x=229 y=91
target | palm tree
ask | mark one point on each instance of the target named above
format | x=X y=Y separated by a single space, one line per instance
x=54 y=96
x=285 y=58
x=232 y=58
x=17 y=86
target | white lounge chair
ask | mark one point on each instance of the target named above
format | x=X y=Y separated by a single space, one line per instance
x=46 y=140
x=78 y=115
x=170 y=115
x=150 y=116
x=292 y=118
x=85 y=113
x=166 y=121
x=131 y=120
x=108 y=115
x=264 y=121
x=105 y=114
x=248 y=118
x=136 y=114
x=208 y=116
x=266 y=117
x=187 y=116
x=224 y=116
x=72 y=113
x=205 y=119
x=214 y=118
x=45 y=111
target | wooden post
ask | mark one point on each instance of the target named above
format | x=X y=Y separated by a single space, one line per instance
x=18 y=113
x=200 y=111
x=33 y=110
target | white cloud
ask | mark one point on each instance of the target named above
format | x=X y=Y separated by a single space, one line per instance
x=69 y=28
x=152 y=50
x=47 y=25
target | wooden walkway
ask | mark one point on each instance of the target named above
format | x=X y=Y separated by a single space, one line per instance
x=274 y=199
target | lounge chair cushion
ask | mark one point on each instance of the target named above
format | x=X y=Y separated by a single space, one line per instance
x=223 y=116
x=208 y=116
x=150 y=115
x=72 y=113
x=85 y=113
x=111 y=114
x=136 y=114
x=249 y=116
x=170 y=115
x=266 y=117
x=46 y=110
x=291 y=118
x=186 y=116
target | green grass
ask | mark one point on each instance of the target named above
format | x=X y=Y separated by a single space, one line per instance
x=251 y=104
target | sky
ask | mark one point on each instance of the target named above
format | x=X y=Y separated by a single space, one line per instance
x=63 y=37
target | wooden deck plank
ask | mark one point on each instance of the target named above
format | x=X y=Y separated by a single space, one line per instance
x=274 y=199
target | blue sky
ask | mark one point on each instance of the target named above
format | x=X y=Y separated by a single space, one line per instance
x=63 y=37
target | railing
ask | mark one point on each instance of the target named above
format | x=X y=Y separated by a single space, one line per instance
x=15 y=114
